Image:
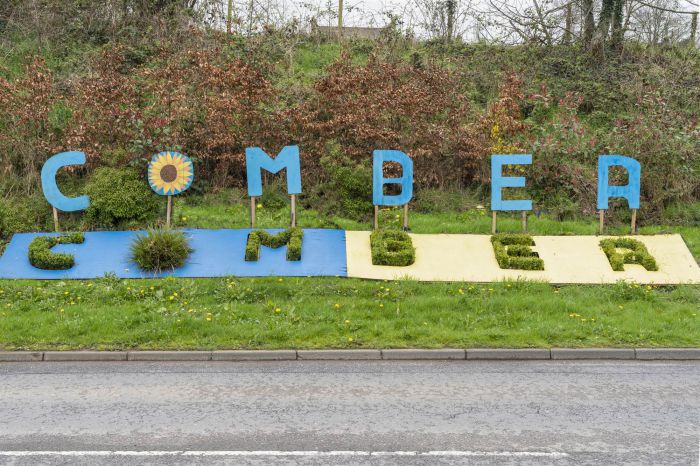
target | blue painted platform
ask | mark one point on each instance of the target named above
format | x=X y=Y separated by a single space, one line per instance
x=217 y=253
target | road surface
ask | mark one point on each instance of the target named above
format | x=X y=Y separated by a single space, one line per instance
x=369 y=412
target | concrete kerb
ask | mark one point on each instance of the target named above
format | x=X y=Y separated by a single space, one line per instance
x=415 y=354
x=593 y=353
x=667 y=353
x=21 y=356
x=85 y=355
x=424 y=354
x=339 y=355
x=509 y=354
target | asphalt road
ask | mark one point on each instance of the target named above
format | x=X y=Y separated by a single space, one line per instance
x=372 y=412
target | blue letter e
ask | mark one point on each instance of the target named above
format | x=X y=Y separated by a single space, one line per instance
x=498 y=181
x=50 y=188
x=378 y=180
x=256 y=159
x=630 y=191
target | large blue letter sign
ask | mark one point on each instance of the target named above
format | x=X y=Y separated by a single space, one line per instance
x=378 y=180
x=498 y=181
x=256 y=160
x=630 y=191
x=50 y=188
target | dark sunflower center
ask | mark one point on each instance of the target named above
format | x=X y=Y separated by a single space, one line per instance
x=168 y=173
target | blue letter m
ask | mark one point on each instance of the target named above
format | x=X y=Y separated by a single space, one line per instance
x=256 y=160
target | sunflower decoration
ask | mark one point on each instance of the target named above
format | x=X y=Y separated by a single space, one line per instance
x=170 y=173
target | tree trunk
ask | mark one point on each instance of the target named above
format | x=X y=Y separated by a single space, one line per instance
x=229 y=16
x=692 y=40
x=603 y=29
x=588 y=22
x=566 y=39
x=340 y=20
x=617 y=31
x=451 y=7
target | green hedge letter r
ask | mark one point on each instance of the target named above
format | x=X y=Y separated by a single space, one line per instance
x=48 y=182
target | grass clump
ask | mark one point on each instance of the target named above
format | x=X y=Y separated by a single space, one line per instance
x=390 y=247
x=514 y=251
x=41 y=257
x=160 y=249
x=292 y=237
x=636 y=253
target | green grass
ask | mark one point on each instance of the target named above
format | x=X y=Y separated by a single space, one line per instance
x=340 y=313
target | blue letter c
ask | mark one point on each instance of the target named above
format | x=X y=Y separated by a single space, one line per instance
x=50 y=188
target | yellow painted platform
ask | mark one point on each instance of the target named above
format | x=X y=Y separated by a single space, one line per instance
x=567 y=259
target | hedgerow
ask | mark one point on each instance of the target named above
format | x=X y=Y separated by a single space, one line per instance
x=41 y=256
x=292 y=237
x=635 y=253
x=514 y=251
x=392 y=247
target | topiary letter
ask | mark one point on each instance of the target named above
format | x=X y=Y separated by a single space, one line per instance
x=41 y=257
x=636 y=253
x=291 y=237
x=515 y=252
x=392 y=248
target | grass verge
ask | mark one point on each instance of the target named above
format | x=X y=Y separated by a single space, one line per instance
x=340 y=313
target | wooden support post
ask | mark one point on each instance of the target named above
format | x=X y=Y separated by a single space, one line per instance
x=601 y=216
x=493 y=222
x=524 y=217
x=294 y=210
x=168 y=211
x=55 y=219
x=634 y=222
x=252 y=211
x=376 y=217
x=405 y=217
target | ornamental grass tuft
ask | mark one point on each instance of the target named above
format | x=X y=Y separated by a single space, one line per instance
x=160 y=249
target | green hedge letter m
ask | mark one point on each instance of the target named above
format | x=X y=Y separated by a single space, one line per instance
x=256 y=160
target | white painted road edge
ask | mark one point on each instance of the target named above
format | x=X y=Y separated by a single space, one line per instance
x=78 y=453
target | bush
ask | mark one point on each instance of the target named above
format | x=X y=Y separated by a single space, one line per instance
x=391 y=247
x=514 y=252
x=637 y=254
x=120 y=197
x=160 y=249
x=41 y=257
x=27 y=213
x=348 y=189
x=292 y=237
